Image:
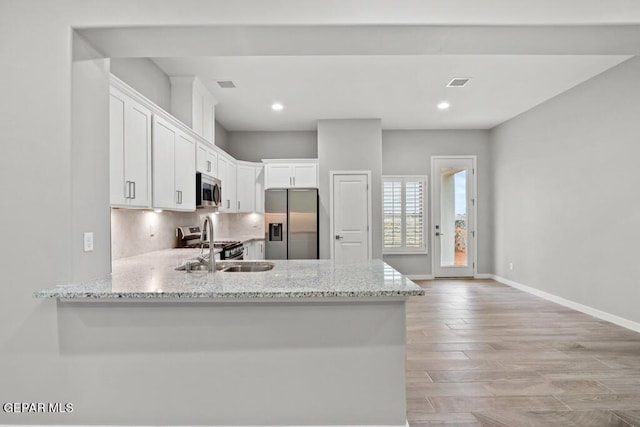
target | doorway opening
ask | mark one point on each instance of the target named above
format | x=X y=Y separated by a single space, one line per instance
x=453 y=213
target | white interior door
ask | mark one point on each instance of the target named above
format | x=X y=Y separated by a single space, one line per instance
x=351 y=217
x=453 y=213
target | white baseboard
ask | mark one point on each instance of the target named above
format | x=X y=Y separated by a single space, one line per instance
x=431 y=276
x=620 y=321
x=420 y=276
x=406 y=424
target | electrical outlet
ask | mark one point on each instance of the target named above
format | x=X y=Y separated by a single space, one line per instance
x=88 y=242
x=510 y=266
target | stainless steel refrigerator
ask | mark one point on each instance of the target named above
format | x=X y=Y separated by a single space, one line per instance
x=291 y=223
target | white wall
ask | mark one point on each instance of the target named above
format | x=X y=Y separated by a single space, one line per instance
x=408 y=152
x=566 y=194
x=350 y=145
x=255 y=146
x=146 y=77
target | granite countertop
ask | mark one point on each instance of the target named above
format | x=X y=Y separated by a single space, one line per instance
x=153 y=276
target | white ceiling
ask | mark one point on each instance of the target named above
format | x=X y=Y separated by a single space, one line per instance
x=396 y=73
x=402 y=90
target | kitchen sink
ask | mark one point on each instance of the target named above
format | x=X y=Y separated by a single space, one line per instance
x=244 y=267
x=228 y=266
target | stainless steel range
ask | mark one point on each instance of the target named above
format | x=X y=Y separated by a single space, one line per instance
x=191 y=237
x=230 y=249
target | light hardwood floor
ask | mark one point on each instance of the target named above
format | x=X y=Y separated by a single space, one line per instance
x=480 y=353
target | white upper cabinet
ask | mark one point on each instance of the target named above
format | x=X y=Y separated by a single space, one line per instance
x=278 y=175
x=193 y=104
x=305 y=175
x=185 y=172
x=227 y=172
x=130 y=152
x=164 y=141
x=246 y=185
x=259 y=189
x=298 y=173
x=206 y=160
x=174 y=167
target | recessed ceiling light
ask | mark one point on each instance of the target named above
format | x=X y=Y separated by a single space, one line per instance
x=277 y=106
x=443 y=105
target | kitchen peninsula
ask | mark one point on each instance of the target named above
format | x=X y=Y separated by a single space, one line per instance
x=310 y=341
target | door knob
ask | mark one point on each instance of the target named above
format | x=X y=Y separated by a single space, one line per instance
x=338 y=237
x=439 y=234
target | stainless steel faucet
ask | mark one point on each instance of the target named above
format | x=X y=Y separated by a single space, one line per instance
x=210 y=262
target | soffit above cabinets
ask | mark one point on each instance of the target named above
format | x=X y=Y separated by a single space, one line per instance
x=397 y=73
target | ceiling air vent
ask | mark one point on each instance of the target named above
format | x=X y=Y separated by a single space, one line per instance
x=226 y=84
x=459 y=82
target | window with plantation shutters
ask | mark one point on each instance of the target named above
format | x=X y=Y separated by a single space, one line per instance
x=404 y=228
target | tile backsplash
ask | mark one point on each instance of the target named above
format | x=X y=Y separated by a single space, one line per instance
x=136 y=232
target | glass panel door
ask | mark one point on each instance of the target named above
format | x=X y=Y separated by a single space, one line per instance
x=453 y=206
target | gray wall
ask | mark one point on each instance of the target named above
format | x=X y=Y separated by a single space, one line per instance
x=89 y=159
x=146 y=77
x=566 y=194
x=255 y=146
x=222 y=137
x=408 y=152
x=350 y=145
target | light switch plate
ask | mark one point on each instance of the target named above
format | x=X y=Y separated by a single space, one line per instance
x=88 y=242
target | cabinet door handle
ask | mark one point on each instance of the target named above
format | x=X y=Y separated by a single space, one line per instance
x=134 y=190
x=228 y=204
x=238 y=204
x=208 y=166
x=127 y=189
x=179 y=197
x=294 y=181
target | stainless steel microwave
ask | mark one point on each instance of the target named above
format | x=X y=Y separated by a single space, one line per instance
x=208 y=191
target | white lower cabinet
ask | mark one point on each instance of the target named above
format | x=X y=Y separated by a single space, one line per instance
x=173 y=167
x=254 y=250
x=259 y=249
